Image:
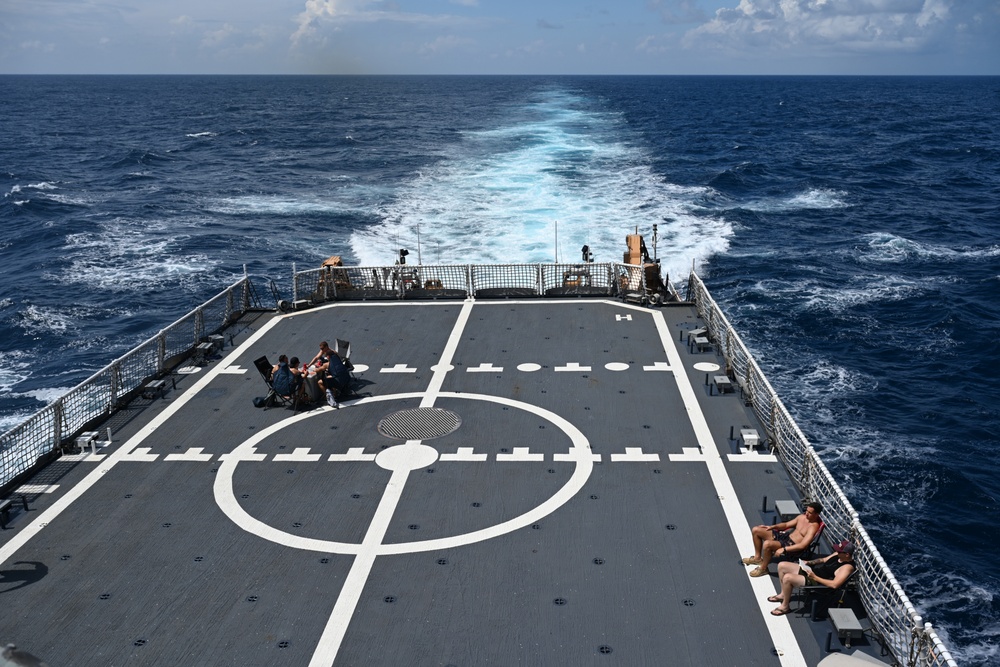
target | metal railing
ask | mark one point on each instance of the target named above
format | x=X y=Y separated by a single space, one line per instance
x=911 y=641
x=468 y=281
x=99 y=395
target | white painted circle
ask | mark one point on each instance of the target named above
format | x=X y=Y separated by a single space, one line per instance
x=407 y=457
x=706 y=366
x=225 y=497
x=442 y=368
x=529 y=368
x=360 y=368
x=189 y=370
x=616 y=366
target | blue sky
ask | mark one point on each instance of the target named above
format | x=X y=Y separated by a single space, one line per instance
x=500 y=36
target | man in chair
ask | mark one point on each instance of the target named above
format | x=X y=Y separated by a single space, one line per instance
x=789 y=537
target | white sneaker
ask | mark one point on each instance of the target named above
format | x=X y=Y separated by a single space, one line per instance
x=330 y=399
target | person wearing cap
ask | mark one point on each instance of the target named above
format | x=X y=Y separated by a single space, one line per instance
x=830 y=571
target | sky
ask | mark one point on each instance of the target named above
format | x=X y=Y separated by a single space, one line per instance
x=896 y=37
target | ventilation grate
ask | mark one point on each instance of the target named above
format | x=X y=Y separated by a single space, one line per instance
x=419 y=424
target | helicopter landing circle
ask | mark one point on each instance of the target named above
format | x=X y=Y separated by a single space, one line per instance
x=407 y=457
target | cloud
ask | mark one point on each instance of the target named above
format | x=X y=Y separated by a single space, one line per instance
x=545 y=25
x=847 y=25
x=320 y=14
x=311 y=17
x=444 y=44
x=652 y=44
x=37 y=45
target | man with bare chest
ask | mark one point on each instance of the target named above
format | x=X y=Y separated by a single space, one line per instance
x=790 y=537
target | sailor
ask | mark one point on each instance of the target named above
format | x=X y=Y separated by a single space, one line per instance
x=780 y=539
x=831 y=571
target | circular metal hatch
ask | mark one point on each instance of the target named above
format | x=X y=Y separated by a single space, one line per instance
x=419 y=424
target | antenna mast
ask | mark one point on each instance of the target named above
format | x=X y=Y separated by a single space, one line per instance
x=419 y=257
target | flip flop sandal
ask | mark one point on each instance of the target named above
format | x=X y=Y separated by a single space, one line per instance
x=780 y=612
x=775 y=598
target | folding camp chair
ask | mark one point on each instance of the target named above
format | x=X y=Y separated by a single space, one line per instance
x=265 y=369
x=824 y=597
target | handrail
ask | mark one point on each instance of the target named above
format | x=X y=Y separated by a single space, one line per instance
x=911 y=641
x=99 y=395
x=421 y=281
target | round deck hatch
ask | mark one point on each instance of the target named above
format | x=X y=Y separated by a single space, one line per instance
x=419 y=424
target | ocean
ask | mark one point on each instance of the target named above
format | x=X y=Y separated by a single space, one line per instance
x=848 y=226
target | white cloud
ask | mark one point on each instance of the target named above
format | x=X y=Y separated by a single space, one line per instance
x=319 y=14
x=37 y=45
x=216 y=38
x=311 y=16
x=444 y=44
x=851 y=25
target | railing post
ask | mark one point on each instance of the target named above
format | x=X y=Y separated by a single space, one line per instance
x=57 y=422
x=161 y=353
x=229 y=308
x=115 y=382
x=470 y=287
x=199 y=325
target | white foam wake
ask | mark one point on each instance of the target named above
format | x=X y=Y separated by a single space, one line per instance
x=551 y=179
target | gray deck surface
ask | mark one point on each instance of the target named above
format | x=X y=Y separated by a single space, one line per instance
x=638 y=566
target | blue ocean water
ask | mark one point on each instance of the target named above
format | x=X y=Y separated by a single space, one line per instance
x=850 y=227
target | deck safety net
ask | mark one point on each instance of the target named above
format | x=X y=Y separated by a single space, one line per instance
x=100 y=395
x=890 y=611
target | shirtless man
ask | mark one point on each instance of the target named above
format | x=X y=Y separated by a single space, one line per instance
x=783 y=538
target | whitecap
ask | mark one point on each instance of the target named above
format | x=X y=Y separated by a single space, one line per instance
x=884 y=247
x=46 y=395
x=123 y=255
x=816 y=199
x=37 y=320
x=14 y=368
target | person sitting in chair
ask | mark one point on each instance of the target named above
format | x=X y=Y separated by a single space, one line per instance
x=283 y=381
x=333 y=375
x=322 y=358
x=783 y=538
x=830 y=571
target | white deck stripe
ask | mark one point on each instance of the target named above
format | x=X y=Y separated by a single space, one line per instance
x=192 y=454
x=634 y=454
x=789 y=652
x=445 y=363
x=333 y=634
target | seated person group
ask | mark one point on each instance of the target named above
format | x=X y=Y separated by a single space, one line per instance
x=332 y=376
x=785 y=541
